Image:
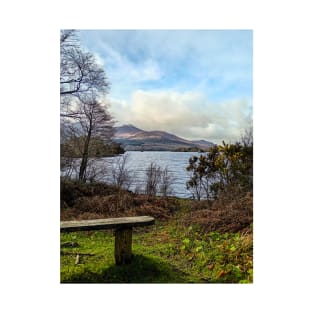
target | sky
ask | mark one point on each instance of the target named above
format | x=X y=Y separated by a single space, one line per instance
x=196 y=84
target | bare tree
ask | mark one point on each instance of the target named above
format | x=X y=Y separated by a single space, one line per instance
x=67 y=166
x=139 y=189
x=247 y=137
x=158 y=181
x=80 y=74
x=94 y=171
x=122 y=180
x=153 y=174
x=166 y=181
x=87 y=120
x=120 y=174
x=68 y=38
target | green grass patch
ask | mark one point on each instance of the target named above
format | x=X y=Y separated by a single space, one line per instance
x=163 y=253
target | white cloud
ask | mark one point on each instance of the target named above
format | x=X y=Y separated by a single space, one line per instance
x=189 y=115
x=124 y=70
x=149 y=70
x=218 y=63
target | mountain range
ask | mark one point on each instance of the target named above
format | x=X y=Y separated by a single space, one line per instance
x=136 y=139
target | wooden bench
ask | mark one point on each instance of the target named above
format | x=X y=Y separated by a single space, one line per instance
x=123 y=232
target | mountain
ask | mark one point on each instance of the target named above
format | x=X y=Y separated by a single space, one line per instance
x=203 y=144
x=133 y=138
x=126 y=131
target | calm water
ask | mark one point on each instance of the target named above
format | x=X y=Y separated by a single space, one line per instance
x=138 y=162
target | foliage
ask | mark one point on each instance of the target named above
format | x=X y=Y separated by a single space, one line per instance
x=192 y=241
x=221 y=258
x=223 y=215
x=72 y=190
x=98 y=200
x=168 y=253
x=72 y=148
x=188 y=149
x=225 y=167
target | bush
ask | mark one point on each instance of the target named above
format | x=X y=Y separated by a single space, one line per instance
x=71 y=190
x=223 y=215
x=225 y=168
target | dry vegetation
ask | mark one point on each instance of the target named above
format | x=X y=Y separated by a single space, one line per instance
x=223 y=215
x=192 y=241
x=90 y=201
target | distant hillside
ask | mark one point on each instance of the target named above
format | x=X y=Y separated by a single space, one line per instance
x=133 y=138
x=126 y=131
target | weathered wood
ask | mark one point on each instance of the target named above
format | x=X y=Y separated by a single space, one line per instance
x=123 y=245
x=123 y=232
x=108 y=223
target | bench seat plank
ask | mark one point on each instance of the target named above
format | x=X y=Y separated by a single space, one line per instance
x=107 y=223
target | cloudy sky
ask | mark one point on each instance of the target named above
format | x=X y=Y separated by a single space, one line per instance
x=196 y=84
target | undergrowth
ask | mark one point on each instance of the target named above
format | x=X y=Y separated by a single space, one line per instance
x=192 y=241
x=164 y=253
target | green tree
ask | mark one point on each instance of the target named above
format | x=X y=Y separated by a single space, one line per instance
x=225 y=168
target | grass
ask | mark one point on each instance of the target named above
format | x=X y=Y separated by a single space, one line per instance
x=167 y=252
x=192 y=241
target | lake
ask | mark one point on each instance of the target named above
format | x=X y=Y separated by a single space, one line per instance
x=138 y=162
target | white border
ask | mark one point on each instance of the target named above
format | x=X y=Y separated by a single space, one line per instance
x=30 y=161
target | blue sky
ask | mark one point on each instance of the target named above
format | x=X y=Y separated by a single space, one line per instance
x=194 y=83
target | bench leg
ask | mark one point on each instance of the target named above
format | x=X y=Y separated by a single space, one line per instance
x=123 y=245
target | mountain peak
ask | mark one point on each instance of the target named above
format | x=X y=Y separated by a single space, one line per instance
x=126 y=131
x=130 y=127
x=134 y=138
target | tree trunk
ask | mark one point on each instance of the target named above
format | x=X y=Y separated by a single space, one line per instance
x=83 y=165
x=82 y=169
